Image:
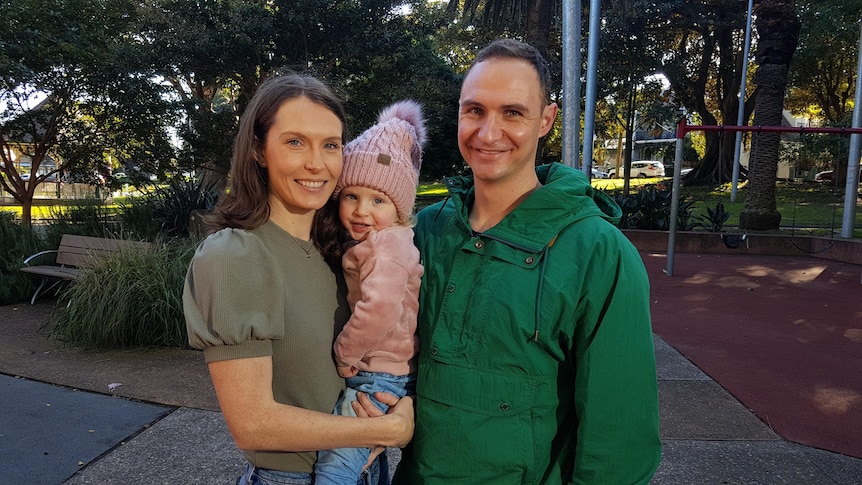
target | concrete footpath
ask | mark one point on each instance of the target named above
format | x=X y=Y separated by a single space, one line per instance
x=151 y=418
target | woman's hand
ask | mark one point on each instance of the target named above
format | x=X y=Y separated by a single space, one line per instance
x=399 y=418
x=400 y=408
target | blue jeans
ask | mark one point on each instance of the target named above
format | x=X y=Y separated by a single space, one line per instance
x=377 y=474
x=343 y=465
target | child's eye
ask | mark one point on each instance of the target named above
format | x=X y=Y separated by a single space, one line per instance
x=378 y=200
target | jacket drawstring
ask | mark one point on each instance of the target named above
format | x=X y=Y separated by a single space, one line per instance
x=539 y=288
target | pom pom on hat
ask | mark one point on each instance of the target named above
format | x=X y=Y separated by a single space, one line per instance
x=388 y=156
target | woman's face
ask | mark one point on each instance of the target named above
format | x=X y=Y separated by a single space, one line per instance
x=302 y=154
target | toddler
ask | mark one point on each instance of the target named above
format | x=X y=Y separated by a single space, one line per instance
x=375 y=352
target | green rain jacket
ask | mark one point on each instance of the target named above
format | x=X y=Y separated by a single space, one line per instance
x=537 y=363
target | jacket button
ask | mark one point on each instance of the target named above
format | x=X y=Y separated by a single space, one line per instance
x=479 y=245
x=450 y=288
x=530 y=260
x=504 y=406
x=434 y=351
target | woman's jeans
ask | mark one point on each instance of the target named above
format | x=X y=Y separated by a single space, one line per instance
x=344 y=465
x=377 y=474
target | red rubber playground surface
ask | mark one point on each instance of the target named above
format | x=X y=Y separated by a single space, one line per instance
x=782 y=334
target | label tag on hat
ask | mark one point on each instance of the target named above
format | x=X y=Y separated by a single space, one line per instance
x=383 y=159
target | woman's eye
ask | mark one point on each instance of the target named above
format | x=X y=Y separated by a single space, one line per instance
x=332 y=146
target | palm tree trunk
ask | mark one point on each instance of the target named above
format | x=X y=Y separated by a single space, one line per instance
x=778 y=34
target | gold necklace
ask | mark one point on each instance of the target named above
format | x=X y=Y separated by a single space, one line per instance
x=306 y=251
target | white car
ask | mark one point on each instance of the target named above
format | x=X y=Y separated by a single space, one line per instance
x=643 y=169
x=598 y=174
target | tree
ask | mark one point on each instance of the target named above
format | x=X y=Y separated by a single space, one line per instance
x=71 y=55
x=823 y=72
x=823 y=80
x=531 y=19
x=778 y=33
x=701 y=44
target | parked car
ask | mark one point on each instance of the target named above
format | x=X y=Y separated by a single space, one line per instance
x=642 y=168
x=598 y=174
x=825 y=176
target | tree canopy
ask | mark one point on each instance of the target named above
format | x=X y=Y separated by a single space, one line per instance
x=160 y=84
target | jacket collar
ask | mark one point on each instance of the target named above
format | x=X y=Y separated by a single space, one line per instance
x=566 y=196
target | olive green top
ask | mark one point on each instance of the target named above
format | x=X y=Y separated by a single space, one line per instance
x=255 y=293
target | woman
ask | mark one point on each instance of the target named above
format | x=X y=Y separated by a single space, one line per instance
x=263 y=304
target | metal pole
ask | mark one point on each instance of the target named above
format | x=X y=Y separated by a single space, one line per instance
x=850 y=187
x=571 y=82
x=740 y=117
x=592 y=64
x=674 y=198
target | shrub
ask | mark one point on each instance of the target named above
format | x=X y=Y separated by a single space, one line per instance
x=173 y=205
x=83 y=217
x=649 y=209
x=18 y=243
x=130 y=299
x=715 y=218
x=137 y=219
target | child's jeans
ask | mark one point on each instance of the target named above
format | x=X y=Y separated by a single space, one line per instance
x=376 y=474
x=344 y=465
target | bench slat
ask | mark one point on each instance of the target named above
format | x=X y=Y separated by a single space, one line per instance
x=75 y=251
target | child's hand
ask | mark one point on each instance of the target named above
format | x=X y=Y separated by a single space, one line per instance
x=347 y=370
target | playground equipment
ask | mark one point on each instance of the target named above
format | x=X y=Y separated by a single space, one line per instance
x=852 y=172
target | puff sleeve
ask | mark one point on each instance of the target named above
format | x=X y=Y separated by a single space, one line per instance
x=232 y=297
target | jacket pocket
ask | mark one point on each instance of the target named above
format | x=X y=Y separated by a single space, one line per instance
x=486 y=419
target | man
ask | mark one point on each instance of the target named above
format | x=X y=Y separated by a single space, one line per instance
x=537 y=363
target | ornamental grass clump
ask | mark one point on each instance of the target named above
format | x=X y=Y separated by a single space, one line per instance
x=18 y=242
x=130 y=299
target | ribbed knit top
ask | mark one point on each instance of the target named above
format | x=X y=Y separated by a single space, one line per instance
x=254 y=293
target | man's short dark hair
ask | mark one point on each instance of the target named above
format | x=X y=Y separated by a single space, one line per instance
x=515 y=49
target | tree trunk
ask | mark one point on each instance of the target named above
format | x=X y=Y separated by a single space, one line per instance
x=778 y=33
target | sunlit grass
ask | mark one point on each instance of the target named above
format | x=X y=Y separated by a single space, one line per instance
x=804 y=208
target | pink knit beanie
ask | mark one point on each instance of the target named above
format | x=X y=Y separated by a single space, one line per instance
x=387 y=156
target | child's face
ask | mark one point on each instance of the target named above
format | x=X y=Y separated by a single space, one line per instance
x=363 y=209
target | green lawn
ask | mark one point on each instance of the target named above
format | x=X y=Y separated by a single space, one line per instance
x=807 y=207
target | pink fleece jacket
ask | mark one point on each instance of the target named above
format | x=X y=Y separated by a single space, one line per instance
x=383 y=275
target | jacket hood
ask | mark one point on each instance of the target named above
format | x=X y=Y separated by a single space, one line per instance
x=566 y=196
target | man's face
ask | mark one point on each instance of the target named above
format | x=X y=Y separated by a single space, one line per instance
x=501 y=117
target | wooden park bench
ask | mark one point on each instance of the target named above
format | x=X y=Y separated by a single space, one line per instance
x=74 y=252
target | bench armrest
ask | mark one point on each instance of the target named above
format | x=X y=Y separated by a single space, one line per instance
x=40 y=253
